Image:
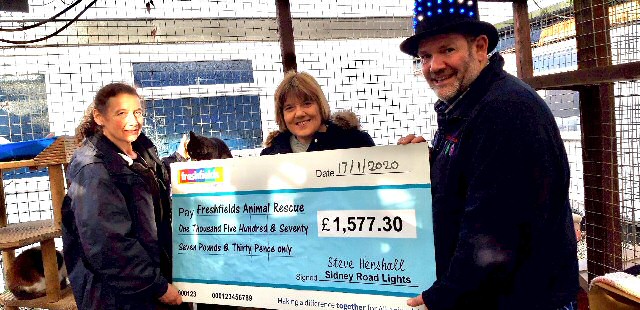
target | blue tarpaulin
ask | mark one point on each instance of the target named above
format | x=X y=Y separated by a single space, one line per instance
x=25 y=149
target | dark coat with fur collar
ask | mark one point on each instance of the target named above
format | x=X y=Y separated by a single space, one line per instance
x=343 y=132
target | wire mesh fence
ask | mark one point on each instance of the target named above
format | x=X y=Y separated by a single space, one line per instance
x=212 y=67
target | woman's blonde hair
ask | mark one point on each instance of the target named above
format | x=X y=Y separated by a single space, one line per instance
x=88 y=127
x=300 y=84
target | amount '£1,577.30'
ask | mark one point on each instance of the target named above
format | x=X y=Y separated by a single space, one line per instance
x=367 y=223
x=361 y=223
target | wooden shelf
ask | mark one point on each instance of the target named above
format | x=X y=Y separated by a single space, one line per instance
x=17 y=235
x=65 y=303
x=17 y=164
x=20 y=234
x=59 y=152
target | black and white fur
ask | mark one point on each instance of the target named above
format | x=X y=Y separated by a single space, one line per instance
x=203 y=148
x=25 y=279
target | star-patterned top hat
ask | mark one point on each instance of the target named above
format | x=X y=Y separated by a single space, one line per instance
x=434 y=17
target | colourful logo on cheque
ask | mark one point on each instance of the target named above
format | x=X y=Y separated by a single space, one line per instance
x=201 y=175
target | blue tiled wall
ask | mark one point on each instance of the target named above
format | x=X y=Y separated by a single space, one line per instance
x=235 y=119
x=16 y=128
x=158 y=74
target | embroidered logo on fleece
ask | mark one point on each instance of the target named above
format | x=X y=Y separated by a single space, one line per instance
x=448 y=144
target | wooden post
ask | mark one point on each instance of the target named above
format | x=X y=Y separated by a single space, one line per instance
x=3 y=206
x=56 y=186
x=50 y=269
x=285 y=33
x=8 y=256
x=522 y=31
x=599 y=151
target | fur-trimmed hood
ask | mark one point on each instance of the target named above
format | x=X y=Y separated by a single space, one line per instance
x=343 y=119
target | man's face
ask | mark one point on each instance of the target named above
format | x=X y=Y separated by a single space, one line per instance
x=450 y=62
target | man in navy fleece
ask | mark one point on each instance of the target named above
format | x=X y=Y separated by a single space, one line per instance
x=503 y=229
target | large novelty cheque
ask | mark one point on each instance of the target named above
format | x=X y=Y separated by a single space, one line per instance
x=343 y=229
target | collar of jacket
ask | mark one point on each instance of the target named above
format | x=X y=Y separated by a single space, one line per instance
x=109 y=152
x=466 y=103
x=341 y=119
x=282 y=137
x=145 y=147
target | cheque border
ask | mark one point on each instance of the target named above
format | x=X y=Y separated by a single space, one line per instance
x=297 y=287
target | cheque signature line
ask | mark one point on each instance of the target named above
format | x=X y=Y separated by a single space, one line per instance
x=369 y=283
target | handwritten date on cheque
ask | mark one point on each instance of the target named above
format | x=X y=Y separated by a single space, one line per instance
x=360 y=167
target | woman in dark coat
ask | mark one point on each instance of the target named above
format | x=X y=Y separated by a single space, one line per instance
x=117 y=213
x=306 y=123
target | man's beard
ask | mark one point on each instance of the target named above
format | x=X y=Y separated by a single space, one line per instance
x=459 y=85
x=449 y=92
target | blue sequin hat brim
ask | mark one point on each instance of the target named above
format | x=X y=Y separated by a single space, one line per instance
x=462 y=26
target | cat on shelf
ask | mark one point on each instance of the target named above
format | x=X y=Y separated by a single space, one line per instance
x=203 y=148
x=197 y=147
x=25 y=278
